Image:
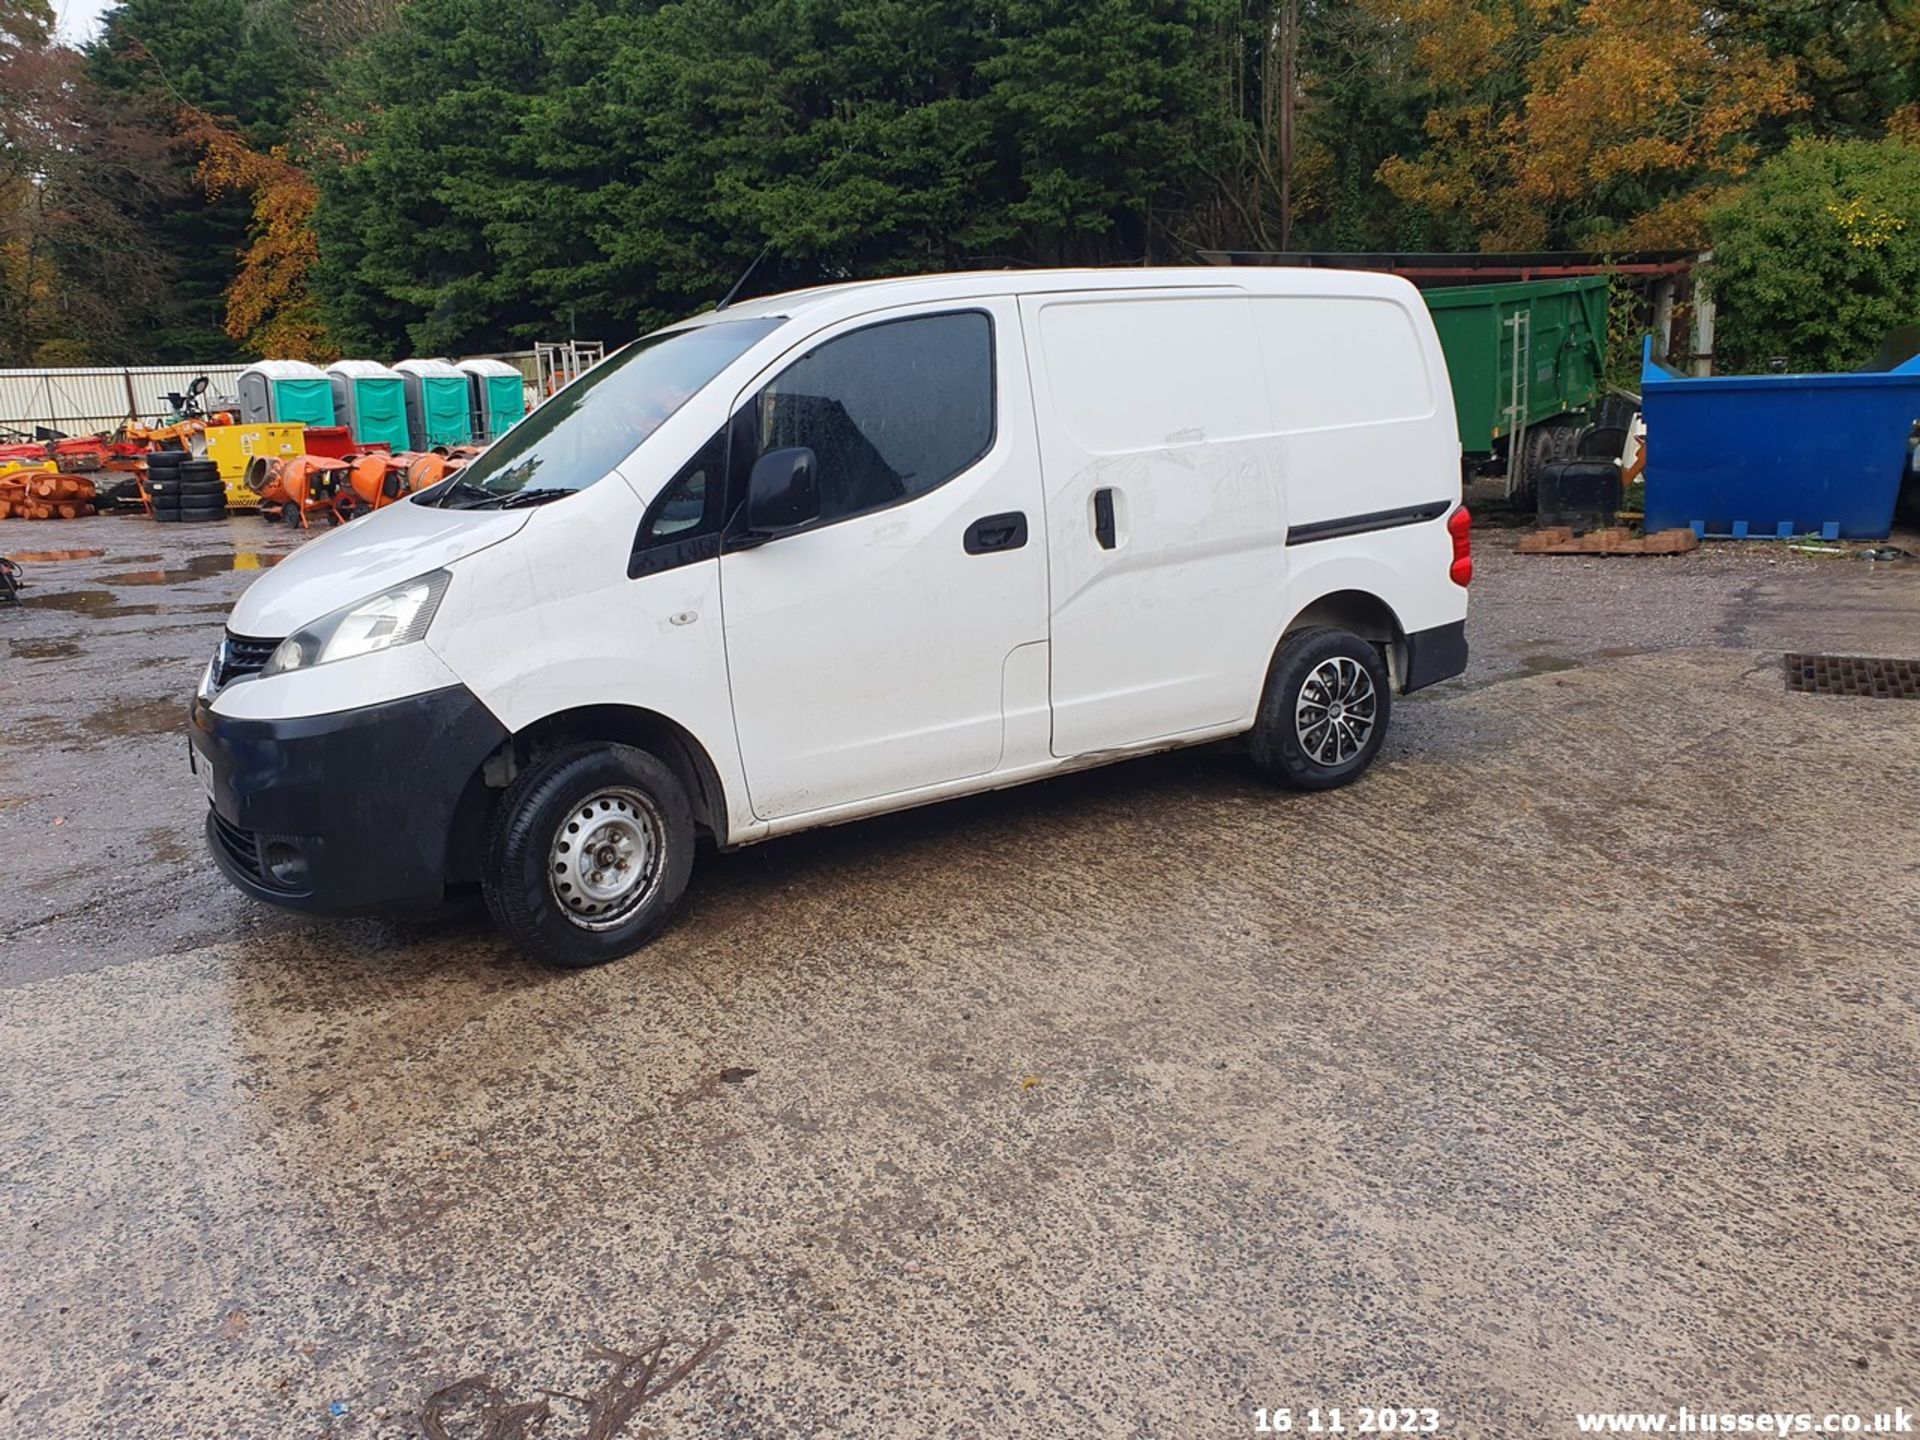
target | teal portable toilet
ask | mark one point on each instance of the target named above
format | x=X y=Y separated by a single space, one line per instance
x=285 y=392
x=437 y=409
x=498 y=396
x=371 y=401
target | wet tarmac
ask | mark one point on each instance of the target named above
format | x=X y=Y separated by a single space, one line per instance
x=1567 y=1062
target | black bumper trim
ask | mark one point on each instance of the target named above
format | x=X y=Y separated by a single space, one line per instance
x=368 y=798
x=1435 y=655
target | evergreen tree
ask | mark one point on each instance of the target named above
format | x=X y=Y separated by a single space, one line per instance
x=231 y=59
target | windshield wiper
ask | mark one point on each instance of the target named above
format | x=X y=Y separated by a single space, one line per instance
x=456 y=485
x=532 y=497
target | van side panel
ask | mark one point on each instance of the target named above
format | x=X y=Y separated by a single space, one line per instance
x=1351 y=389
x=1165 y=510
x=1361 y=405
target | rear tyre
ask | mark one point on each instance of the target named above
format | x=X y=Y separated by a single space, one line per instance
x=589 y=852
x=1325 y=710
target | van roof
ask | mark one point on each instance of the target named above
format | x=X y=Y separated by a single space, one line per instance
x=854 y=296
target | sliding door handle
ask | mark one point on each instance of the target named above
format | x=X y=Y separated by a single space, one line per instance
x=1103 y=518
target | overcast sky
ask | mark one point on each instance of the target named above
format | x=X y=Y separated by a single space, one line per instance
x=80 y=19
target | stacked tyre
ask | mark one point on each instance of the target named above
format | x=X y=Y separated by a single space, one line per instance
x=163 y=482
x=193 y=492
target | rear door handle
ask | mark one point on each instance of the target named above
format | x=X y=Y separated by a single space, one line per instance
x=996 y=532
x=1103 y=518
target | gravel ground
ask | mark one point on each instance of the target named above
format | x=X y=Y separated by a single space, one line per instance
x=1569 y=1061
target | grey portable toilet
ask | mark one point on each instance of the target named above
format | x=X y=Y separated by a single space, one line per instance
x=287 y=392
x=437 y=410
x=371 y=400
x=497 y=398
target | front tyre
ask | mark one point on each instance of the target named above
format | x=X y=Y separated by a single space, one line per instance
x=1325 y=710
x=589 y=851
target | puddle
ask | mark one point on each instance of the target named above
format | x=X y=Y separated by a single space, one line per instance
x=97 y=604
x=133 y=719
x=44 y=555
x=161 y=843
x=1548 y=664
x=198 y=567
x=45 y=649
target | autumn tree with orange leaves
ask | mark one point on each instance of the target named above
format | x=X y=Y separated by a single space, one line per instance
x=1609 y=123
x=272 y=307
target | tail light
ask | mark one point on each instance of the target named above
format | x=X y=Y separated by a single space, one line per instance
x=1460 y=527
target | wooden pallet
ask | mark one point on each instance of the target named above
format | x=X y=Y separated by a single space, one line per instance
x=1560 y=540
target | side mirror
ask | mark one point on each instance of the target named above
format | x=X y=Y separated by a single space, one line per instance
x=783 y=493
x=198 y=387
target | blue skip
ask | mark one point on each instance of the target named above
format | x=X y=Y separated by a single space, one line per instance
x=1776 y=456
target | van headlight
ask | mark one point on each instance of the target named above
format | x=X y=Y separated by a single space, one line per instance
x=398 y=616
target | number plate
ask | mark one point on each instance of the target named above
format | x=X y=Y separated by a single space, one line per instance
x=202 y=771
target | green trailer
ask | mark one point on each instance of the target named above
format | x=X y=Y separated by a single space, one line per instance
x=1518 y=416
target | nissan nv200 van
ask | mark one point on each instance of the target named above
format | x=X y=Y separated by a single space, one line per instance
x=839 y=552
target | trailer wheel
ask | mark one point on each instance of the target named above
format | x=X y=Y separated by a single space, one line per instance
x=589 y=852
x=1324 y=712
x=1539 y=449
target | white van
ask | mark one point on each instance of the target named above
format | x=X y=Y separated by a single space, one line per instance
x=839 y=552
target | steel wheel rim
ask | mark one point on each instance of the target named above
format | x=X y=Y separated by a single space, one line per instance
x=1335 y=711
x=603 y=864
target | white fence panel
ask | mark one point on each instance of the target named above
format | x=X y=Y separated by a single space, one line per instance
x=82 y=401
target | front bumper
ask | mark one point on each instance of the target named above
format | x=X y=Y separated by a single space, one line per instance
x=352 y=813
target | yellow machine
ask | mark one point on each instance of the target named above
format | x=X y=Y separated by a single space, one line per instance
x=233 y=447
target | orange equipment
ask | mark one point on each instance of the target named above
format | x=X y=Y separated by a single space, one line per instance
x=378 y=480
x=43 y=493
x=301 y=488
x=298 y=488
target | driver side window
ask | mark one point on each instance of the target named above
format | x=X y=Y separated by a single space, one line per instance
x=889 y=411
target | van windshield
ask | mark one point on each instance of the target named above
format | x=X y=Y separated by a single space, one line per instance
x=593 y=424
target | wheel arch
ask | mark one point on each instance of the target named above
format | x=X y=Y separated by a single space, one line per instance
x=633 y=725
x=1364 y=614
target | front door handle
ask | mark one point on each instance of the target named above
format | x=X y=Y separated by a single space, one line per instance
x=996 y=532
x=1103 y=518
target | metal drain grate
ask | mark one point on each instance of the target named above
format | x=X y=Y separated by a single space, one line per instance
x=1854 y=675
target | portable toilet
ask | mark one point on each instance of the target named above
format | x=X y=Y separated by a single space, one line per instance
x=372 y=402
x=498 y=398
x=285 y=392
x=437 y=410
